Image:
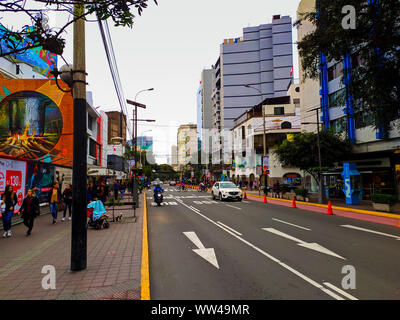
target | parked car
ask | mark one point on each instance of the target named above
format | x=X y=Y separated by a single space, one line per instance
x=224 y=190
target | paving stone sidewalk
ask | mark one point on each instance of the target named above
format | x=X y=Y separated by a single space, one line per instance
x=113 y=260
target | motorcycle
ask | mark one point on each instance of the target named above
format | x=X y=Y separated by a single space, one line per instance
x=158 y=198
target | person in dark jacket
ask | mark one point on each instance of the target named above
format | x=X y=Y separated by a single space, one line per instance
x=10 y=199
x=116 y=190
x=67 y=198
x=30 y=209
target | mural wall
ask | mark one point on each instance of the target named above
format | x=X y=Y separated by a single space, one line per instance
x=36 y=121
x=41 y=60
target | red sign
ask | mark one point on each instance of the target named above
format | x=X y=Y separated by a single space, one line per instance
x=20 y=198
x=2 y=181
x=14 y=178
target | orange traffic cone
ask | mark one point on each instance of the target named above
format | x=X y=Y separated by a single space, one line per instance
x=245 y=195
x=294 y=203
x=329 y=212
x=265 y=198
x=398 y=226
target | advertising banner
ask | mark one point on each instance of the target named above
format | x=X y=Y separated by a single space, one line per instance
x=41 y=176
x=265 y=163
x=36 y=121
x=13 y=172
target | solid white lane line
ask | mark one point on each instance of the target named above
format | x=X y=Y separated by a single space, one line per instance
x=299 y=274
x=371 y=231
x=294 y=225
x=193 y=208
x=233 y=230
x=284 y=235
x=342 y=292
x=233 y=207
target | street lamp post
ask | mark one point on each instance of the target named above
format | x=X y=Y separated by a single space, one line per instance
x=264 y=137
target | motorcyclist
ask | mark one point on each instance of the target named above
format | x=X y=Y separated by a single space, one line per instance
x=183 y=186
x=158 y=189
x=202 y=186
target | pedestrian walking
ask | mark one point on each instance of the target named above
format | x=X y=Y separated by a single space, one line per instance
x=30 y=209
x=54 y=200
x=67 y=198
x=10 y=199
x=251 y=185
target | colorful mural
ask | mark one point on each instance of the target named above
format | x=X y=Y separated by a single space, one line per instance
x=42 y=61
x=36 y=121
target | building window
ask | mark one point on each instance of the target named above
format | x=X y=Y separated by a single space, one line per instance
x=243 y=132
x=286 y=125
x=337 y=99
x=90 y=122
x=92 y=148
x=335 y=71
x=279 y=111
x=339 y=125
x=363 y=119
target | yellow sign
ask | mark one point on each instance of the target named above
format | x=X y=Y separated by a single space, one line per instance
x=290 y=137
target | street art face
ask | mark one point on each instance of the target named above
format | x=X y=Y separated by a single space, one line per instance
x=30 y=124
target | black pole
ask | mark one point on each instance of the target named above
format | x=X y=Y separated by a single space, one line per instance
x=79 y=174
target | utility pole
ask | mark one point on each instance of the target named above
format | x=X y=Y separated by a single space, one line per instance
x=79 y=175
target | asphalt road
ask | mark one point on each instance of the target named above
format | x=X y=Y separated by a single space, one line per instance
x=205 y=249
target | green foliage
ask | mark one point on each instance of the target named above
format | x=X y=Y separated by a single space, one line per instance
x=384 y=198
x=302 y=151
x=301 y=192
x=376 y=81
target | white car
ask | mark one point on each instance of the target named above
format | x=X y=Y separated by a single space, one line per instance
x=224 y=190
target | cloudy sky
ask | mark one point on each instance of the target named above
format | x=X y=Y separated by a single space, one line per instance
x=168 y=47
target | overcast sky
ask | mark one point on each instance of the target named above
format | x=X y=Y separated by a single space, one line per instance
x=168 y=47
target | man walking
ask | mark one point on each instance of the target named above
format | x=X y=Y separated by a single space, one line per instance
x=67 y=198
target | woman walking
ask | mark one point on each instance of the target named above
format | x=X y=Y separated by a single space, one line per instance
x=54 y=200
x=10 y=199
x=67 y=198
x=30 y=209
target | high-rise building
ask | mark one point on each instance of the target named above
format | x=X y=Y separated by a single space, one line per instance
x=263 y=59
x=187 y=145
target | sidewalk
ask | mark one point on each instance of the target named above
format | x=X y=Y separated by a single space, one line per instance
x=113 y=260
x=360 y=212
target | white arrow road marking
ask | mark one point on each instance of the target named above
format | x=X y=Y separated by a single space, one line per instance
x=207 y=254
x=343 y=293
x=371 y=231
x=294 y=225
x=312 y=246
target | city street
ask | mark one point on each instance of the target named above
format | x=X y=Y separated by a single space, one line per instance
x=205 y=249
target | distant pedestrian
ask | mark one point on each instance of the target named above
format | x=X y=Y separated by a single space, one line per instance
x=10 y=199
x=67 y=198
x=54 y=200
x=30 y=209
x=240 y=184
x=251 y=184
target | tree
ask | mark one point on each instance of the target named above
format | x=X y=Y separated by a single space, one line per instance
x=42 y=35
x=302 y=151
x=374 y=45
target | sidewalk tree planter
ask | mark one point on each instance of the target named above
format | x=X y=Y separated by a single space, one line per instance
x=383 y=202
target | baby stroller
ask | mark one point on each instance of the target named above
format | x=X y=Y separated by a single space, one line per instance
x=97 y=215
